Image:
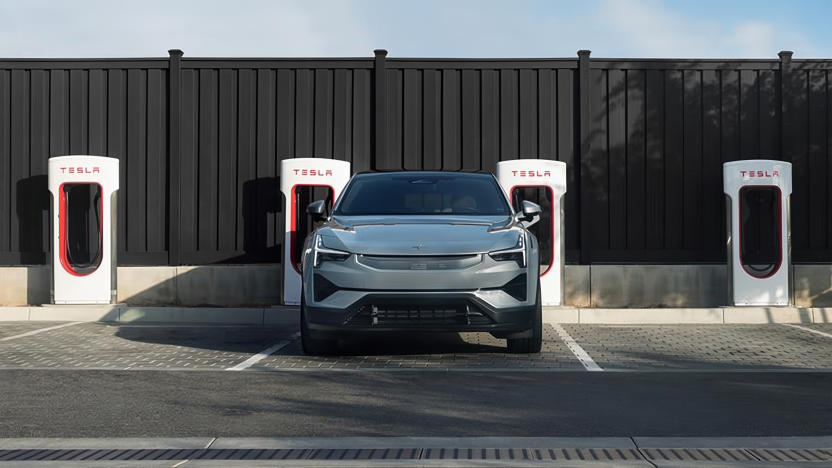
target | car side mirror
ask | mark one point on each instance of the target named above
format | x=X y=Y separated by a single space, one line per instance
x=530 y=213
x=317 y=210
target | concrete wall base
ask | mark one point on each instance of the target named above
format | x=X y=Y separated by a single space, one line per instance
x=597 y=286
x=287 y=315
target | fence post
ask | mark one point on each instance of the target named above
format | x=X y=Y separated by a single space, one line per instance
x=786 y=126
x=379 y=107
x=585 y=126
x=174 y=111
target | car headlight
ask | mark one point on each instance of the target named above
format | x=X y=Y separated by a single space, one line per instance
x=516 y=253
x=322 y=254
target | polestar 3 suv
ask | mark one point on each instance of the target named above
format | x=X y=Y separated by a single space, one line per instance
x=421 y=251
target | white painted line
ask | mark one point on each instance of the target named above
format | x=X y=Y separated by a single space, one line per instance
x=263 y=354
x=39 y=330
x=817 y=332
x=576 y=349
x=179 y=464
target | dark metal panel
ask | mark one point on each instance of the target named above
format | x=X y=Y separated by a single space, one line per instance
x=615 y=107
x=157 y=160
x=490 y=118
x=116 y=144
x=818 y=159
x=246 y=220
x=451 y=121
x=713 y=205
x=189 y=142
x=509 y=115
x=547 y=104
x=412 y=119
x=81 y=64
x=207 y=194
x=654 y=163
x=5 y=160
x=38 y=210
x=271 y=85
x=796 y=147
x=527 y=112
x=323 y=113
x=304 y=113
x=78 y=111
x=769 y=85
x=432 y=123
x=567 y=119
x=227 y=164
x=674 y=160
x=749 y=115
x=595 y=181
x=58 y=113
x=342 y=115
x=730 y=115
x=391 y=156
x=136 y=190
x=22 y=189
x=692 y=166
x=479 y=64
x=97 y=144
x=362 y=121
x=636 y=81
x=471 y=122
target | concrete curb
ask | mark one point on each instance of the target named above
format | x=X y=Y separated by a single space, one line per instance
x=287 y=315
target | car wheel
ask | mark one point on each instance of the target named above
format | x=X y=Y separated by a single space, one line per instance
x=533 y=343
x=311 y=345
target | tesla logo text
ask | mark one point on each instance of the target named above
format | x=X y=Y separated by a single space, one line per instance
x=80 y=170
x=751 y=174
x=531 y=173
x=313 y=172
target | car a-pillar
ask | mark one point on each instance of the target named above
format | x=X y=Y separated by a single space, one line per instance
x=544 y=182
x=303 y=180
x=83 y=260
x=757 y=205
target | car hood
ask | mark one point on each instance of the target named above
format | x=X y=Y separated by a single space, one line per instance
x=420 y=235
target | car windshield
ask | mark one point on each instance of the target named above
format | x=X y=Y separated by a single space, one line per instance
x=417 y=194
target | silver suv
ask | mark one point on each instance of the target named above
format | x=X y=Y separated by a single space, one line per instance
x=427 y=251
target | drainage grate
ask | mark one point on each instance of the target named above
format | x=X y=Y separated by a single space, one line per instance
x=506 y=454
x=792 y=455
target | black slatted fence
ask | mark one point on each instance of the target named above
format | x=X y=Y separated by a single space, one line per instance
x=201 y=140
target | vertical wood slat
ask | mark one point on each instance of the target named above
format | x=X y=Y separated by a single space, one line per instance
x=227 y=164
x=136 y=160
x=20 y=149
x=5 y=161
x=635 y=158
x=117 y=146
x=451 y=121
x=275 y=107
x=471 y=120
x=654 y=209
x=412 y=119
x=692 y=165
x=616 y=102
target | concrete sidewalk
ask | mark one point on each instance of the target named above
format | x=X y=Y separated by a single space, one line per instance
x=281 y=315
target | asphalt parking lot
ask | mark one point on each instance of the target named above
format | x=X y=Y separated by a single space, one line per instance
x=78 y=389
x=771 y=347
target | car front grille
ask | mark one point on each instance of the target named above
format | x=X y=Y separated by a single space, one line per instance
x=370 y=315
x=420 y=262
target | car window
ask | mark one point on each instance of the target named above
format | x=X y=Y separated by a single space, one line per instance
x=423 y=194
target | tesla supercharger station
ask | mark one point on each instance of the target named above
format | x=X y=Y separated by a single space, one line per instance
x=295 y=174
x=83 y=229
x=759 y=263
x=550 y=175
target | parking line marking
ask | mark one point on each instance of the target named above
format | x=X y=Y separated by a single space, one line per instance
x=39 y=330
x=576 y=349
x=817 y=332
x=263 y=354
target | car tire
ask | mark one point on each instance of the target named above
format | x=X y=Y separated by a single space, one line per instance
x=533 y=343
x=311 y=345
